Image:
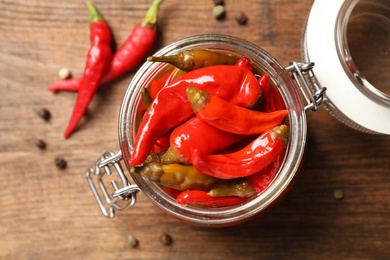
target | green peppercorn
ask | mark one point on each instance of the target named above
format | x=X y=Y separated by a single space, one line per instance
x=338 y=194
x=133 y=242
x=219 y=12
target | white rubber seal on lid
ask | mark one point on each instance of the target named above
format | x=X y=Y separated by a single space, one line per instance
x=341 y=92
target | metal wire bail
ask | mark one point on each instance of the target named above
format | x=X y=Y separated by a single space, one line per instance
x=304 y=77
x=108 y=203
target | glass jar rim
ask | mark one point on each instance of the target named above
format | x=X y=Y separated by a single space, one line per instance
x=349 y=98
x=295 y=148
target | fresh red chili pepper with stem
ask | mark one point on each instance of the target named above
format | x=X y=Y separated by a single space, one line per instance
x=252 y=158
x=171 y=106
x=129 y=54
x=99 y=56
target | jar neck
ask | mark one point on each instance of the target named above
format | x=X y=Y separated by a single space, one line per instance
x=362 y=40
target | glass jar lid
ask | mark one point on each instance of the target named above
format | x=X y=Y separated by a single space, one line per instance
x=338 y=34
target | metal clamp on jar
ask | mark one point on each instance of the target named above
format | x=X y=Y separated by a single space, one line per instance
x=349 y=96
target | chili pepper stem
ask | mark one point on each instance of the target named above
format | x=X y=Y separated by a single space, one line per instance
x=167 y=59
x=152 y=13
x=183 y=60
x=94 y=13
x=194 y=59
x=197 y=97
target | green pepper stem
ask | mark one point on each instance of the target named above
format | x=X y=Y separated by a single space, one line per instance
x=175 y=60
x=281 y=132
x=152 y=13
x=95 y=15
x=168 y=59
x=183 y=60
x=197 y=98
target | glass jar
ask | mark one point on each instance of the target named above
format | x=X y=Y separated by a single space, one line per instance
x=300 y=93
x=297 y=120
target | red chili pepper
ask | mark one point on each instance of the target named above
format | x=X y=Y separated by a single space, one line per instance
x=277 y=99
x=249 y=160
x=267 y=104
x=272 y=100
x=98 y=58
x=244 y=63
x=199 y=135
x=131 y=52
x=262 y=179
x=157 y=84
x=199 y=197
x=162 y=144
x=173 y=192
x=232 y=118
x=171 y=106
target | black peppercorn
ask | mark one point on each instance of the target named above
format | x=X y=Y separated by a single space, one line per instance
x=44 y=113
x=60 y=163
x=219 y=2
x=241 y=18
x=166 y=239
x=40 y=144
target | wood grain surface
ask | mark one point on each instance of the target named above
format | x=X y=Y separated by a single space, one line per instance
x=48 y=213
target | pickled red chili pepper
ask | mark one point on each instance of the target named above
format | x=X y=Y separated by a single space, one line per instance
x=267 y=104
x=195 y=59
x=157 y=84
x=186 y=177
x=99 y=56
x=272 y=100
x=199 y=135
x=129 y=54
x=199 y=197
x=262 y=179
x=171 y=107
x=277 y=99
x=237 y=187
x=177 y=176
x=162 y=144
x=173 y=192
x=232 y=118
x=257 y=155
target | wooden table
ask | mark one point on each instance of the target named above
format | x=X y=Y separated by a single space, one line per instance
x=48 y=213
